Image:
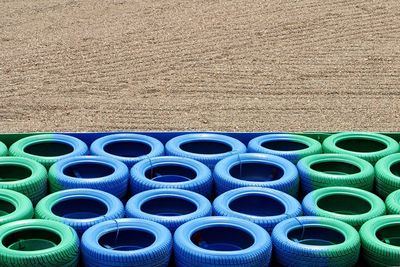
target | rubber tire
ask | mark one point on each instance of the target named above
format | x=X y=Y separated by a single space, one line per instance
x=157 y=254
x=291 y=253
x=133 y=207
x=329 y=145
x=393 y=203
x=97 y=147
x=189 y=254
x=386 y=180
x=115 y=183
x=17 y=149
x=3 y=149
x=224 y=181
x=173 y=147
x=115 y=208
x=201 y=184
x=221 y=206
x=65 y=254
x=314 y=147
x=34 y=186
x=375 y=251
x=22 y=204
x=311 y=179
x=311 y=208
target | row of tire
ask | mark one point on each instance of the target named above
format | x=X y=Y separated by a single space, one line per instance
x=243 y=219
x=234 y=171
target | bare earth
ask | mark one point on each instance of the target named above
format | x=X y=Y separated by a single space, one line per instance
x=102 y=65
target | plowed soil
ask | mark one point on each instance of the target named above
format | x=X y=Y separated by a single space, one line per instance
x=241 y=65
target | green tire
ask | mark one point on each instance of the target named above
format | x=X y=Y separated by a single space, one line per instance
x=387 y=171
x=25 y=176
x=326 y=170
x=36 y=242
x=48 y=148
x=393 y=202
x=333 y=202
x=3 y=149
x=365 y=145
x=380 y=240
x=14 y=206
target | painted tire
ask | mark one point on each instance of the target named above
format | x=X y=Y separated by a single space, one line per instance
x=169 y=207
x=368 y=146
x=326 y=170
x=59 y=243
x=387 y=171
x=333 y=202
x=256 y=169
x=79 y=208
x=25 y=176
x=376 y=236
x=317 y=241
x=263 y=206
x=393 y=202
x=48 y=148
x=126 y=242
x=128 y=148
x=207 y=148
x=171 y=172
x=221 y=241
x=292 y=147
x=95 y=172
x=3 y=149
x=14 y=206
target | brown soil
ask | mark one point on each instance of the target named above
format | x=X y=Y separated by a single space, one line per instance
x=90 y=65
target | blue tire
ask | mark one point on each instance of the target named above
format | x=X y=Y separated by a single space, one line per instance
x=48 y=148
x=204 y=147
x=128 y=148
x=171 y=172
x=96 y=172
x=263 y=206
x=221 y=241
x=126 y=242
x=79 y=208
x=169 y=207
x=292 y=147
x=315 y=241
x=256 y=169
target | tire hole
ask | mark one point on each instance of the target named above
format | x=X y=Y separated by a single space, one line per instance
x=31 y=240
x=129 y=149
x=11 y=173
x=206 y=147
x=127 y=239
x=361 y=145
x=339 y=203
x=49 y=149
x=222 y=238
x=335 y=168
x=87 y=170
x=170 y=173
x=256 y=172
x=79 y=208
x=168 y=206
x=284 y=145
x=257 y=205
x=316 y=236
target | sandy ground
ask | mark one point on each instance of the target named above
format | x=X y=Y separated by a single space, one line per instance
x=90 y=65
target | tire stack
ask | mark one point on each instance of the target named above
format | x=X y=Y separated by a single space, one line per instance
x=200 y=199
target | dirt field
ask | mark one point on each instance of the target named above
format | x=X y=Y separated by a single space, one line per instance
x=90 y=65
